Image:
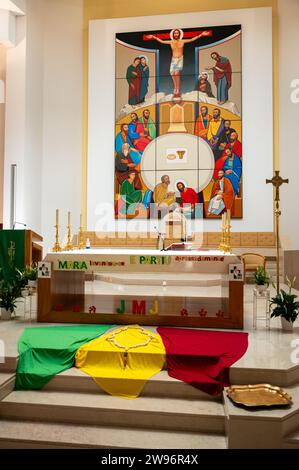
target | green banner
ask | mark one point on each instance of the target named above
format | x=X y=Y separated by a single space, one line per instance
x=12 y=252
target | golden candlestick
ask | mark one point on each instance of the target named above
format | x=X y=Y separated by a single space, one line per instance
x=81 y=244
x=69 y=246
x=222 y=241
x=225 y=243
x=56 y=248
x=277 y=181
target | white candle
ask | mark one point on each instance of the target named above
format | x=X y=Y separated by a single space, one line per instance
x=57 y=216
x=69 y=218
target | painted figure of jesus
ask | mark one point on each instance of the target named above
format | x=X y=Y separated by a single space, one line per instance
x=177 y=43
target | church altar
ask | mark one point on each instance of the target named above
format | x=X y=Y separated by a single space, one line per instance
x=151 y=287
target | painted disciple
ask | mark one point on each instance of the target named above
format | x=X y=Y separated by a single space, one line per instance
x=124 y=164
x=202 y=123
x=224 y=140
x=222 y=196
x=177 y=44
x=148 y=124
x=144 y=70
x=134 y=81
x=162 y=196
x=222 y=76
x=123 y=137
x=203 y=85
x=137 y=133
x=233 y=170
x=215 y=128
x=234 y=146
x=130 y=195
x=188 y=195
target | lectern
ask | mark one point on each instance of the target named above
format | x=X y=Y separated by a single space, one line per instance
x=18 y=249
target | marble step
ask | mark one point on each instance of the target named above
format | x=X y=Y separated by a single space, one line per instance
x=292 y=440
x=254 y=428
x=7 y=383
x=9 y=365
x=105 y=410
x=32 y=435
x=160 y=384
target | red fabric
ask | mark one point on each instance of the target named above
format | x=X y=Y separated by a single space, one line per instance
x=202 y=358
x=141 y=142
x=227 y=70
x=189 y=196
x=236 y=148
x=219 y=165
x=134 y=88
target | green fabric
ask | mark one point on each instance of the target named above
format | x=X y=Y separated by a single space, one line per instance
x=132 y=196
x=151 y=127
x=45 y=352
x=12 y=252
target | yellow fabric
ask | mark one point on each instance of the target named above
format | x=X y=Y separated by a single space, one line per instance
x=161 y=195
x=104 y=361
x=213 y=128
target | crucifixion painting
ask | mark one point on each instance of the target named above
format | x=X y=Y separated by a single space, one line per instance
x=177 y=44
x=178 y=122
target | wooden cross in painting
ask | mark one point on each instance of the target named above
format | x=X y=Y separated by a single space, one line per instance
x=277 y=181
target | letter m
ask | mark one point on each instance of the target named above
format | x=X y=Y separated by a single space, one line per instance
x=62 y=265
x=138 y=308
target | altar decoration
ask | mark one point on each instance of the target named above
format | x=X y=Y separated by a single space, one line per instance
x=47 y=351
x=122 y=361
x=57 y=248
x=202 y=358
x=259 y=395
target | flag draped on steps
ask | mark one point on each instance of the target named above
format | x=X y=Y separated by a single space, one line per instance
x=123 y=360
x=46 y=351
x=202 y=358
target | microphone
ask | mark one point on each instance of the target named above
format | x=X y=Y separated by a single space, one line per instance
x=20 y=223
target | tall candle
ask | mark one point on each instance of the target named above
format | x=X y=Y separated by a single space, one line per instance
x=228 y=217
x=69 y=218
x=57 y=216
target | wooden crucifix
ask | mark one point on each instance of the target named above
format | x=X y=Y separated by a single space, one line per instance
x=277 y=181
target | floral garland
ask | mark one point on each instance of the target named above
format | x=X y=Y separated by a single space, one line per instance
x=111 y=339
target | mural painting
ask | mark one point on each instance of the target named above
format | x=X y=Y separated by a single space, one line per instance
x=178 y=125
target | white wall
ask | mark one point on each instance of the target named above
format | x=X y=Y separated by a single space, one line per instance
x=15 y=123
x=62 y=114
x=47 y=137
x=257 y=108
x=289 y=118
x=44 y=111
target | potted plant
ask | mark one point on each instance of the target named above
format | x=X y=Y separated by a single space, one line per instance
x=22 y=281
x=31 y=274
x=261 y=278
x=285 y=306
x=9 y=292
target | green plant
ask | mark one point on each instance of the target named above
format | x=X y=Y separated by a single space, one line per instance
x=261 y=276
x=285 y=303
x=31 y=272
x=9 y=292
x=21 y=278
